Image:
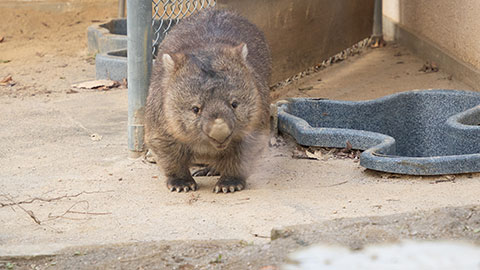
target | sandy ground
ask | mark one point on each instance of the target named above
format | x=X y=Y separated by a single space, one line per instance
x=60 y=188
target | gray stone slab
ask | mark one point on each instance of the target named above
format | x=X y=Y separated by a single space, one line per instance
x=422 y=132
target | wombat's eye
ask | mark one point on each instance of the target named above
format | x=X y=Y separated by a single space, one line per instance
x=195 y=109
x=234 y=104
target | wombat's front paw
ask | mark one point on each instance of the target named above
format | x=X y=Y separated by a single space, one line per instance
x=179 y=184
x=229 y=184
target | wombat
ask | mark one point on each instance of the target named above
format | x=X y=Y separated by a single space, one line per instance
x=209 y=99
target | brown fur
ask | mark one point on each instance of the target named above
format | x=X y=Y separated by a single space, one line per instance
x=203 y=64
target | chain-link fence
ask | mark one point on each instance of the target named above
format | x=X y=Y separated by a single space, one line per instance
x=147 y=25
x=167 y=13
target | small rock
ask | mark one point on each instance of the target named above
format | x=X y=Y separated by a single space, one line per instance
x=280 y=233
x=95 y=137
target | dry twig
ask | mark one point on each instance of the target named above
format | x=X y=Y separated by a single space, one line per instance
x=13 y=203
x=29 y=212
x=70 y=211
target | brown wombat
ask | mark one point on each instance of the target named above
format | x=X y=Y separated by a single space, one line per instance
x=209 y=99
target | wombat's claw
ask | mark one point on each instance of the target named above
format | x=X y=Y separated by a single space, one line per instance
x=229 y=185
x=180 y=185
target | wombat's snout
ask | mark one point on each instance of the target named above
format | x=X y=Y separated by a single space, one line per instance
x=219 y=131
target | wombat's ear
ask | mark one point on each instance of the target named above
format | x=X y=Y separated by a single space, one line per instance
x=241 y=50
x=172 y=62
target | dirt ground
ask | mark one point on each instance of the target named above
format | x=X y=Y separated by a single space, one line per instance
x=447 y=223
x=44 y=44
x=74 y=201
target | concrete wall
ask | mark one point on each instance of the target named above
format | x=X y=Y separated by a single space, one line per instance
x=452 y=27
x=302 y=33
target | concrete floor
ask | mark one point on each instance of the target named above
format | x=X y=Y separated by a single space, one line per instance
x=60 y=188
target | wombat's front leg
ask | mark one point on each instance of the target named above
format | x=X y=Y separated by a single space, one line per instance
x=236 y=166
x=181 y=183
x=175 y=161
x=232 y=168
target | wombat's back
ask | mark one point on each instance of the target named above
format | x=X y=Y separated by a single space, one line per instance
x=210 y=28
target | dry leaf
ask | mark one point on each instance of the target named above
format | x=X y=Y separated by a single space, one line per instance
x=269 y=267
x=317 y=154
x=305 y=88
x=97 y=84
x=299 y=154
x=348 y=146
x=71 y=91
x=95 y=137
x=429 y=67
x=7 y=81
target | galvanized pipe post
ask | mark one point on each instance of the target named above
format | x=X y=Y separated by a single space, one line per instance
x=121 y=8
x=377 y=19
x=139 y=53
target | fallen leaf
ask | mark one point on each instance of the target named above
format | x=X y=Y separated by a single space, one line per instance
x=306 y=88
x=429 y=67
x=445 y=178
x=317 y=154
x=186 y=267
x=299 y=154
x=378 y=42
x=347 y=149
x=71 y=91
x=348 y=146
x=97 y=84
x=7 y=81
x=95 y=137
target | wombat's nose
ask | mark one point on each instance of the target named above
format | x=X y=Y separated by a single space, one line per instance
x=219 y=131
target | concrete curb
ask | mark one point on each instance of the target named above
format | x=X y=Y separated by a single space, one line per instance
x=107 y=36
x=108 y=40
x=112 y=65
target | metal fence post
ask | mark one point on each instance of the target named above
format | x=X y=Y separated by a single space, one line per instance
x=377 y=19
x=139 y=53
x=121 y=8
